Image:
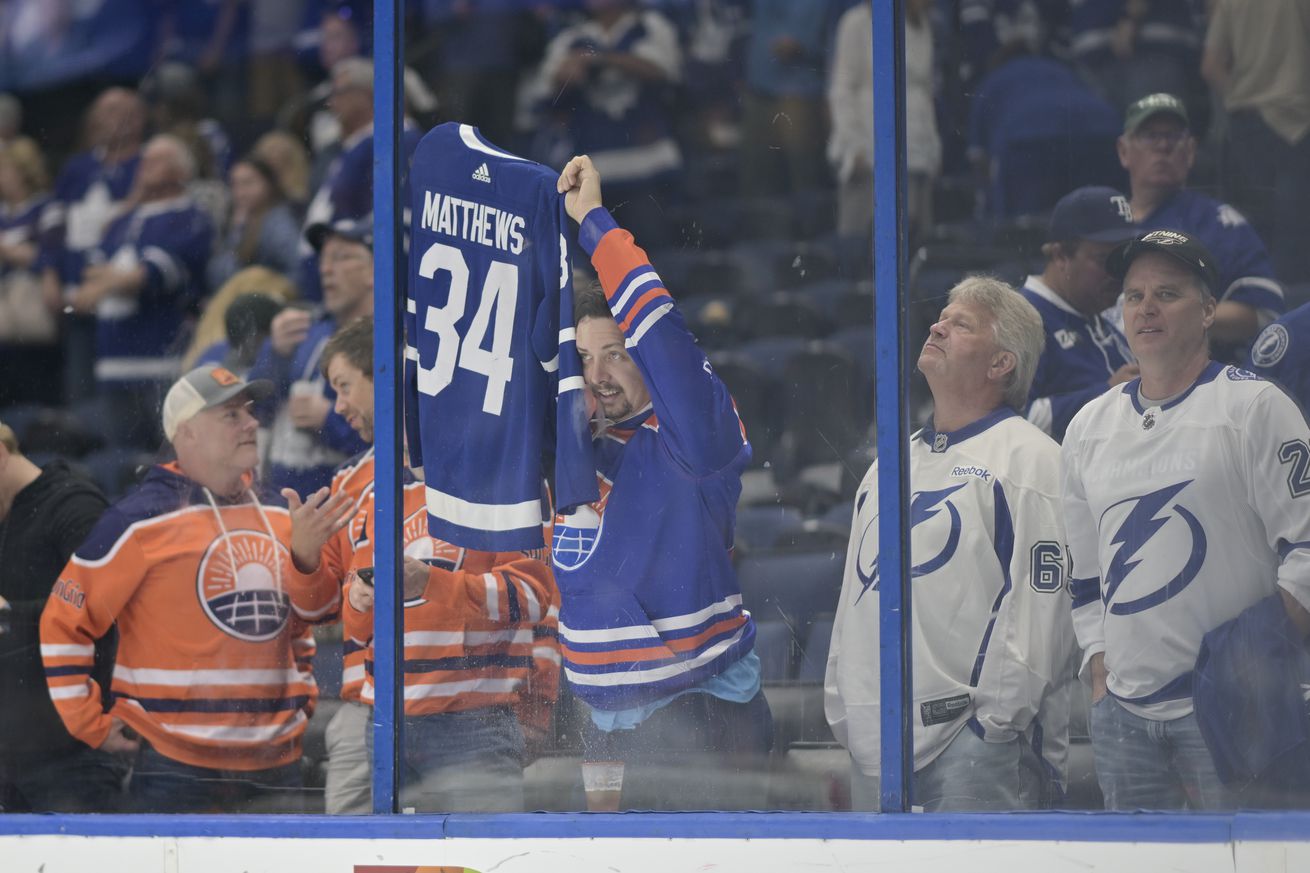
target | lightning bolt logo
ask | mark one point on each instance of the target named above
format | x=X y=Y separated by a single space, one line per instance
x=924 y=505
x=1142 y=523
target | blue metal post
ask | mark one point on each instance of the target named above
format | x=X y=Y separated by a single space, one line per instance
x=891 y=382
x=388 y=343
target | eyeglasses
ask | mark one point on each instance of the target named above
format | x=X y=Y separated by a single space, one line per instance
x=1170 y=139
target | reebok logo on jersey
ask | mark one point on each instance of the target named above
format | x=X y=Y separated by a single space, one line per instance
x=1066 y=338
x=980 y=472
x=482 y=174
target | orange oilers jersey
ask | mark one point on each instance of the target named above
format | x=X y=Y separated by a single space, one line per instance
x=213 y=666
x=483 y=632
x=317 y=596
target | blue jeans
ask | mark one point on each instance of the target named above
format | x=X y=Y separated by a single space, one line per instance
x=970 y=775
x=162 y=784
x=76 y=779
x=470 y=761
x=1142 y=763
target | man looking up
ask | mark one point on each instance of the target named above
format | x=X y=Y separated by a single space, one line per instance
x=992 y=642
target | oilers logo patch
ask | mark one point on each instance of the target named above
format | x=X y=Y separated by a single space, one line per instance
x=237 y=585
x=575 y=537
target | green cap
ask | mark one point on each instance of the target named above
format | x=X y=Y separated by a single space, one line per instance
x=1152 y=105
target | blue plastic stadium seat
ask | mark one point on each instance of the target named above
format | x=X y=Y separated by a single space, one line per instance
x=771 y=354
x=761 y=528
x=791 y=586
x=781 y=314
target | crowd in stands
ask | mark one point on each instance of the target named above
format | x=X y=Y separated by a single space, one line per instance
x=186 y=300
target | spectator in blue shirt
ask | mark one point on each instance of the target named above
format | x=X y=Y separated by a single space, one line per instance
x=1084 y=354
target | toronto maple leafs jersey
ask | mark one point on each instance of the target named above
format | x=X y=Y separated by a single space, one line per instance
x=491 y=344
x=136 y=336
x=1281 y=353
x=651 y=604
x=992 y=640
x=1080 y=356
x=86 y=198
x=1246 y=275
x=1180 y=516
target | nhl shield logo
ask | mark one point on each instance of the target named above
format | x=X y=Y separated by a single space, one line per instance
x=575 y=537
x=237 y=585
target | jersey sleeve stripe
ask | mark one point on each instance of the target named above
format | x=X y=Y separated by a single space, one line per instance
x=571 y=383
x=646 y=325
x=493 y=596
x=58 y=650
x=1085 y=591
x=645 y=299
x=631 y=677
x=69 y=692
x=644 y=276
x=484 y=516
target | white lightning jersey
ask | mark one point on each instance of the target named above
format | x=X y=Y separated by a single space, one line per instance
x=992 y=637
x=1180 y=516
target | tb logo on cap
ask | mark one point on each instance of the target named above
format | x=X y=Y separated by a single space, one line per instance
x=1121 y=203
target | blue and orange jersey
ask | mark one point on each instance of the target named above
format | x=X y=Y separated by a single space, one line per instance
x=651 y=604
x=483 y=633
x=213 y=665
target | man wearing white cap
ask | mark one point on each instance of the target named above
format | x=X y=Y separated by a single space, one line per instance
x=211 y=686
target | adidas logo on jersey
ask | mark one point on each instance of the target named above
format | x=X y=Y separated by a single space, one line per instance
x=481 y=174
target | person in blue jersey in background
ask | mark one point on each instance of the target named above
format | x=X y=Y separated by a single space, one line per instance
x=993 y=663
x=88 y=194
x=308 y=440
x=1085 y=353
x=1157 y=149
x=1281 y=354
x=654 y=638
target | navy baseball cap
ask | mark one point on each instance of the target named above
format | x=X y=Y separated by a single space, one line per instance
x=1094 y=213
x=358 y=230
x=1182 y=247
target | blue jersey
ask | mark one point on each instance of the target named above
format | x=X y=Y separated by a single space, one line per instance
x=24 y=223
x=650 y=602
x=619 y=119
x=490 y=287
x=300 y=459
x=136 y=336
x=1166 y=27
x=345 y=192
x=1081 y=355
x=1281 y=353
x=87 y=194
x=1246 y=274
